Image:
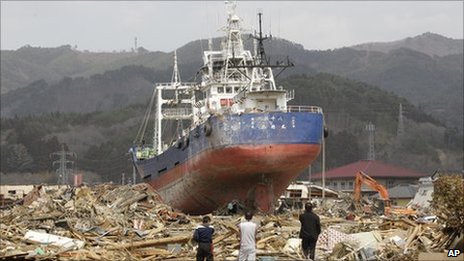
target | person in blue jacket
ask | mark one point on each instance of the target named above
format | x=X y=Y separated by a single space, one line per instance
x=203 y=234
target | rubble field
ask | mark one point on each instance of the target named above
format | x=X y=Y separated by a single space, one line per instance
x=108 y=222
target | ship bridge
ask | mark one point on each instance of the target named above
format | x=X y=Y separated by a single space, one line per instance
x=234 y=80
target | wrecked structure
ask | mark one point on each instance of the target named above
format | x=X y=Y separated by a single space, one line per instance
x=108 y=222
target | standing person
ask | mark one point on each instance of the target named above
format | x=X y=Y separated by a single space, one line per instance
x=310 y=230
x=203 y=234
x=248 y=230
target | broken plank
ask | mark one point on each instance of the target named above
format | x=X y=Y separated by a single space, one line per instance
x=154 y=242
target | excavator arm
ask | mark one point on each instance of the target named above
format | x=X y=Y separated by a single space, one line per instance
x=363 y=178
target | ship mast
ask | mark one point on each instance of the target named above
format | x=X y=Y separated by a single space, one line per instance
x=179 y=105
x=175 y=73
x=262 y=54
x=234 y=46
x=175 y=82
x=263 y=61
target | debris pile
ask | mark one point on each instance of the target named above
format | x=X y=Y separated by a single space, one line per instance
x=90 y=223
x=109 y=222
x=123 y=223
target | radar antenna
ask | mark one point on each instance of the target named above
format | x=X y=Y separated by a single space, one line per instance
x=263 y=61
x=262 y=54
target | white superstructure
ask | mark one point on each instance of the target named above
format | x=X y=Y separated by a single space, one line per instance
x=233 y=80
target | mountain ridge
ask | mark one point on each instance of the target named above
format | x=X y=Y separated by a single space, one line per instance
x=102 y=138
x=433 y=82
x=53 y=63
x=428 y=43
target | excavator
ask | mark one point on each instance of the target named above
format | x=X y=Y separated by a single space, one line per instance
x=363 y=178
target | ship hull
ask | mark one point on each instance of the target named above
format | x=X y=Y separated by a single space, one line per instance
x=251 y=158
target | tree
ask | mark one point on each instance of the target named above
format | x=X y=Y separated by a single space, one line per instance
x=18 y=159
x=448 y=192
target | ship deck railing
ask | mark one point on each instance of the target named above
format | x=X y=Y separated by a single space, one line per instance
x=180 y=85
x=304 y=108
x=177 y=112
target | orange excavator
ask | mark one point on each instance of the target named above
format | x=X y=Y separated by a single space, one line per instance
x=363 y=178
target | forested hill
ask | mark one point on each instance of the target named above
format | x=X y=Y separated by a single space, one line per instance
x=101 y=139
x=29 y=64
x=428 y=43
x=430 y=81
x=100 y=92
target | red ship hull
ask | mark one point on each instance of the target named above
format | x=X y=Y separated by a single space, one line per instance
x=255 y=174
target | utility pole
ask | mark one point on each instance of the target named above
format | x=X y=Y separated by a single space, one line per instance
x=370 y=128
x=135 y=44
x=309 y=183
x=134 y=176
x=323 y=163
x=63 y=172
x=400 y=131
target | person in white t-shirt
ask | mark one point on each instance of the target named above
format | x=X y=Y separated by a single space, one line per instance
x=248 y=230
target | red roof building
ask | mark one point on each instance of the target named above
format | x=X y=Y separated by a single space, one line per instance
x=342 y=178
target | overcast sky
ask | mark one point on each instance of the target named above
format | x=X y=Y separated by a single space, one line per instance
x=165 y=26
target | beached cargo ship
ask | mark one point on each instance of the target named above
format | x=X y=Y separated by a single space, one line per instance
x=241 y=141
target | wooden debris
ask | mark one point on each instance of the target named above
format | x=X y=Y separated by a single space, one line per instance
x=132 y=223
x=154 y=242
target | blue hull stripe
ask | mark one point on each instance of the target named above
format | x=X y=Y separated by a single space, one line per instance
x=234 y=130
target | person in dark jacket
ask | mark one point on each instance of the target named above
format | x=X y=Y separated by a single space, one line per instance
x=203 y=234
x=310 y=230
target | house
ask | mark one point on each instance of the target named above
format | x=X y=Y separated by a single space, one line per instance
x=423 y=197
x=342 y=178
x=299 y=192
x=302 y=189
x=11 y=193
x=15 y=192
x=402 y=194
